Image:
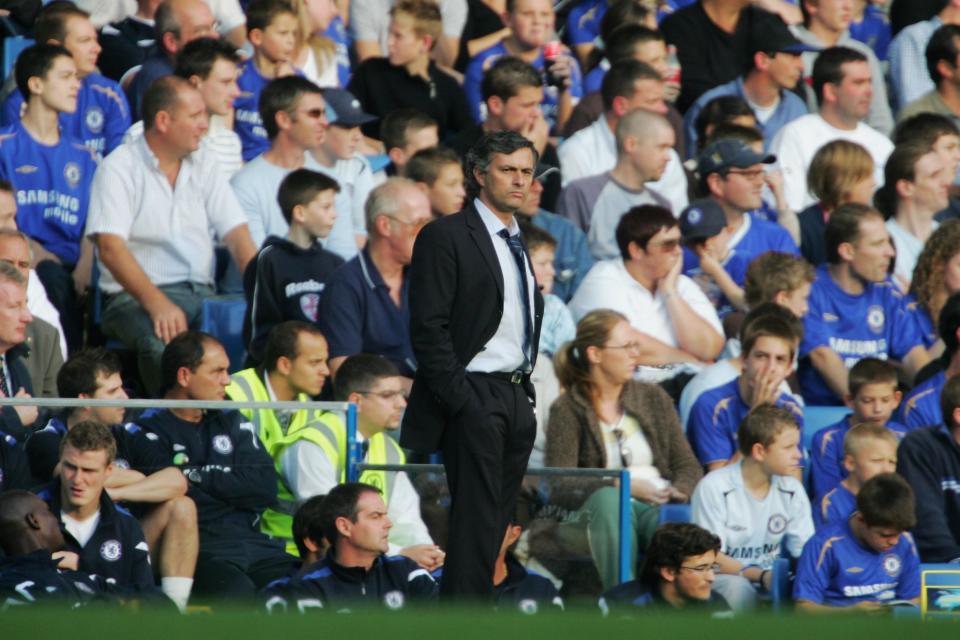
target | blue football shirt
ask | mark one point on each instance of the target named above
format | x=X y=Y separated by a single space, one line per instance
x=826 y=454
x=921 y=407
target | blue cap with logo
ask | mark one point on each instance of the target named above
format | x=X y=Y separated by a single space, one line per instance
x=344 y=110
x=702 y=219
x=729 y=153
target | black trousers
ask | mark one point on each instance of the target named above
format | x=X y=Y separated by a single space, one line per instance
x=485 y=451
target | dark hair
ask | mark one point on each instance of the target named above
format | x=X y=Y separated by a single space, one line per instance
x=535 y=237
x=481 y=153
x=341 y=502
x=6 y=186
x=762 y=426
x=262 y=13
x=507 y=76
x=844 y=226
x=621 y=78
x=283 y=339
x=80 y=372
x=36 y=62
x=942 y=46
x=359 y=372
x=769 y=310
x=51 y=22
x=948 y=323
x=162 y=94
x=886 y=500
x=300 y=187
x=900 y=165
x=720 y=110
x=772 y=326
x=870 y=371
x=282 y=94
x=732 y=131
x=924 y=128
x=400 y=123
x=425 y=165
x=622 y=43
x=950 y=400
x=186 y=350
x=198 y=57
x=308 y=523
x=90 y=435
x=640 y=224
x=828 y=67
x=773 y=272
x=671 y=544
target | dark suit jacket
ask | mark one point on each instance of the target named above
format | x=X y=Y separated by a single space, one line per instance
x=19 y=377
x=456 y=302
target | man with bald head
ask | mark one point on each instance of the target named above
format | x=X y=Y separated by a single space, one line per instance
x=644 y=148
x=364 y=307
x=176 y=22
x=156 y=204
x=34 y=568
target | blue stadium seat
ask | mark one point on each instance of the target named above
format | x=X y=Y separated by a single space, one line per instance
x=12 y=46
x=781 y=587
x=674 y=513
x=817 y=418
x=222 y=317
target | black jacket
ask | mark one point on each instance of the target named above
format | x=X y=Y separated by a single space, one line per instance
x=33 y=578
x=392 y=582
x=232 y=478
x=284 y=282
x=117 y=550
x=456 y=302
x=525 y=591
x=929 y=459
x=19 y=378
x=14 y=470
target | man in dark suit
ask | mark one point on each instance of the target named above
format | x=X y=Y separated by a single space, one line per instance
x=14 y=377
x=475 y=314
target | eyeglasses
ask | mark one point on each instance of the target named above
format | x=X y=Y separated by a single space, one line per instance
x=702 y=569
x=313 y=114
x=666 y=246
x=749 y=174
x=417 y=225
x=633 y=348
x=626 y=456
x=385 y=395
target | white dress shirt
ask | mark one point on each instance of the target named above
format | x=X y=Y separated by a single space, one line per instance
x=504 y=351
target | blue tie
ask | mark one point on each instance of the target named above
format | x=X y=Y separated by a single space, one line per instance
x=516 y=249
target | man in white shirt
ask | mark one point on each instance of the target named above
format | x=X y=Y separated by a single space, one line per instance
x=844 y=88
x=678 y=322
x=628 y=85
x=153 y=204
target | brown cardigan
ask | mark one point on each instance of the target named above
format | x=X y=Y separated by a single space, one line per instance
x=574 y=440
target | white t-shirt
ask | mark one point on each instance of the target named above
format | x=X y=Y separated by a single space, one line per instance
x=908 y=248
x=798 y=141
x=750 y=530
x=609 y=286
x=81 y=530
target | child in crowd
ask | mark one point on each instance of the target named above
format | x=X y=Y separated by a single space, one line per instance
x=405 y=132
x=557 y=328
x=873 y=397
x=288 y=275
x=867 y=561
x=720 y=272
x=756 y=506
x=272 y=30
x=439 y=173
x=869 y=450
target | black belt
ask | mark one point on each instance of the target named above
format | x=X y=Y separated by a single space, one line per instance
x=513 y=377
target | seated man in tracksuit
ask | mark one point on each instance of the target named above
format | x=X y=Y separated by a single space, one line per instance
x=515 y=587
x=231 y=477
x=356 y=572
x=105 y=536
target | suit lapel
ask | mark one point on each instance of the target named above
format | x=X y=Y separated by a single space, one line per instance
x=480 y=235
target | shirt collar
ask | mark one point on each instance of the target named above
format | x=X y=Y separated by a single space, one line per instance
x=490 y=220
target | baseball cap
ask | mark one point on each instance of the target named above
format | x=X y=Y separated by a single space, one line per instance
x=773 y=36
x=728 y=153
x=345 y=110
x=702 y=219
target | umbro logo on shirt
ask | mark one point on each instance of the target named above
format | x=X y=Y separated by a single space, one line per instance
x=855 y=570
x=27 y=168
x=829 y=317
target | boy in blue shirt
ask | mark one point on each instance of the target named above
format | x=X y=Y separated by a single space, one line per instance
x=873 y=397
x=869 y=450
x=855 y=312
x=51 y=174
x=717 y=414
x=869 y=560
x=102 y=114
x=721 y=271
x=272 y=30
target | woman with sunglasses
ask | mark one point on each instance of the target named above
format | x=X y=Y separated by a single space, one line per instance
x=606 y=419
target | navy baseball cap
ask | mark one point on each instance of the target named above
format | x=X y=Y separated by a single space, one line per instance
x=773 y=36
x=702 y=219
x=345 y=110
x=728 y=153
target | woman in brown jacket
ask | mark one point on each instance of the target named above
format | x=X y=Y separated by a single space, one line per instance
x=606 y=419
